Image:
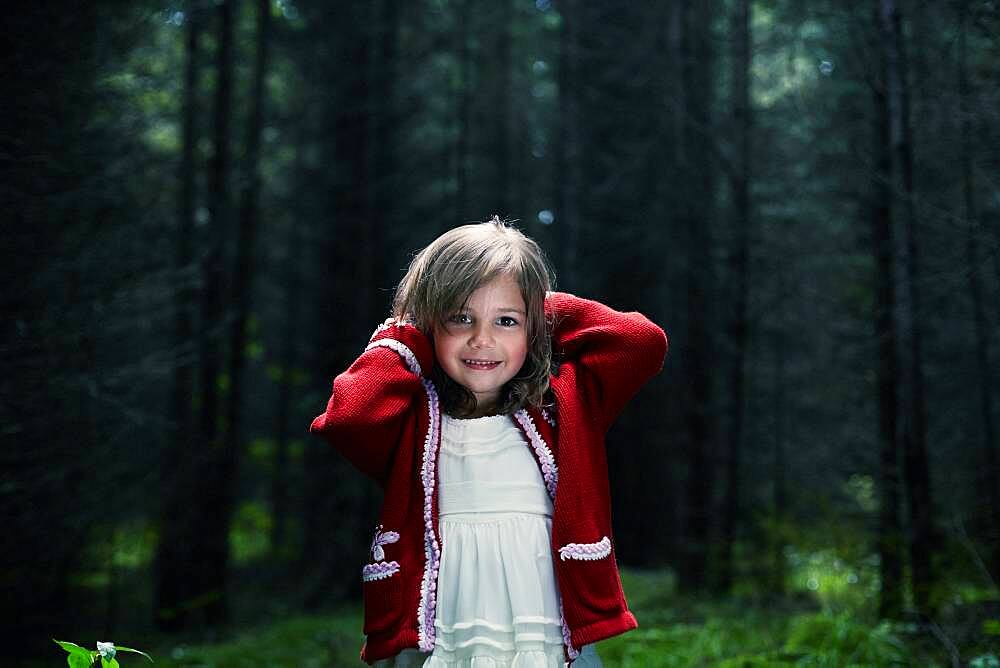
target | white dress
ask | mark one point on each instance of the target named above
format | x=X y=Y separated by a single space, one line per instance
x=497 y=599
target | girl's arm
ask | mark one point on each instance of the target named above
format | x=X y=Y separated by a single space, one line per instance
x=613 y=353
x=365 y=414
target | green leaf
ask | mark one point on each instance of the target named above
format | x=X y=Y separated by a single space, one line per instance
x=109 y=663
x=69 y=646
x=79 y=657
x=129 y=649
x=79 y=660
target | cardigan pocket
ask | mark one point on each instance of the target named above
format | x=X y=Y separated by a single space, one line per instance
x=586 y=551
x=590 y=573
x=382 y=595
x=381 y=586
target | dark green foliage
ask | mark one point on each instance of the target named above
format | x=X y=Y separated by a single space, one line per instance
x=673 y=632
x=606 y=130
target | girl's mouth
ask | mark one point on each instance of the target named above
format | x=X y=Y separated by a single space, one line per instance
x=480 y=365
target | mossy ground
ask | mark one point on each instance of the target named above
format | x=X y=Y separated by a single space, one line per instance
x=674 y=632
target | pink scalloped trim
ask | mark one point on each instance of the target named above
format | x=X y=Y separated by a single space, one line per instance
x=379 y=571
x=550 y=473
x=432 y=551
x=402 y=349
x=570 y=650
x=586 y=551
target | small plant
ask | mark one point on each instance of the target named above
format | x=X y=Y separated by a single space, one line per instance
x=80 y=657
x=985 y=661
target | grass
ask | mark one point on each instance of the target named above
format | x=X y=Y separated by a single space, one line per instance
x=303 y=642
x=826 y=620
x=674 y=632
x=734 y=634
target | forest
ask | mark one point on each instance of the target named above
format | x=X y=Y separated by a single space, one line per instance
x=207 y=205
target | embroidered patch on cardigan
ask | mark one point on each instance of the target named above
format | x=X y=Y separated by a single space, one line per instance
x=382 y=538
x=586 y=551
x=379 y=571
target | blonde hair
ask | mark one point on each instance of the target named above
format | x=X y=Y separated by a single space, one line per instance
x=442 y=277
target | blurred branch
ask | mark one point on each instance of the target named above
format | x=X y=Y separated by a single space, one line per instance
x=958 y=527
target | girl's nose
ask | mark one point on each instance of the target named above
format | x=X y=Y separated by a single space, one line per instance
x=482 y=337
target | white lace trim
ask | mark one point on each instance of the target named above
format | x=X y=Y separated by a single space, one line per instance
x=586 y=551
x=379 y=571
x=550 y=473
x=402 y=349
x=381 y=328
x=571 y=651
x=432 y=550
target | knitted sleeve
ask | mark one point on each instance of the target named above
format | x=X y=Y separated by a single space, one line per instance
x=370 y=401
x=613 y=353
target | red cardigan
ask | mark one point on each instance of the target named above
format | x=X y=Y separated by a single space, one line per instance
x=384 y=416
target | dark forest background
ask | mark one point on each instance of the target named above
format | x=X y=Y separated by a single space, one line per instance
x=207 y=205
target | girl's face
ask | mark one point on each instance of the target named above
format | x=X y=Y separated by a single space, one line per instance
x=484 y=345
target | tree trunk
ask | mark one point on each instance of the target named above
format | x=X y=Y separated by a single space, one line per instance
x=987 y=483
x=743 y=124
x=690 y=39
x=336 y=518
x=173 y=553
x=464 y=113
x=779 y=466
x=890 y=534
x=208 y=571
x=242 y=292
x=914 y=423
x=522 y=186
x=291 y=282
x=384 y=165
x=502 y=193
x=568 y=149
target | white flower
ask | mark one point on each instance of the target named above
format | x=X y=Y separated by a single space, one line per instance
x=106 y=649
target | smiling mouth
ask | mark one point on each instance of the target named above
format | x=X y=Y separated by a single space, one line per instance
x=483 y=365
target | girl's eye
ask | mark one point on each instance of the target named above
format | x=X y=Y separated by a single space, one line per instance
x=504 y=321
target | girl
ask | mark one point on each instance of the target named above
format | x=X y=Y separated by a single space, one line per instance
x=480 y=407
